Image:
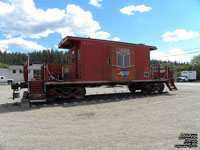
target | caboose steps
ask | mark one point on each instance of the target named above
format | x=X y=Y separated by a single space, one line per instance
x=36 y=91
x=171 y=85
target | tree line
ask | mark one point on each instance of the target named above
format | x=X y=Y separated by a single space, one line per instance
x=48 y=56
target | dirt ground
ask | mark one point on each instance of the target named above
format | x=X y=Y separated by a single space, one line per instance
x=138 y=122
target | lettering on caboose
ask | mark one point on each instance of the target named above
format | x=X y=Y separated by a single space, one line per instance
x=122 y=50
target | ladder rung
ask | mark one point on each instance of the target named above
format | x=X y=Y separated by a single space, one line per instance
x=36 y=81
x=37 y=90
x=36 y=94
x=36 y=85
x=38 y=100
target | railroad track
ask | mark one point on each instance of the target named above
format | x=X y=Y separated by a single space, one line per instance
x=96 y=99
x=88 y=100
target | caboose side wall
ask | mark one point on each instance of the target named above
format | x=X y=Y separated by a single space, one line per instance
x=142 y=63
x=96 y=55
x=96 y=60
x=100 y=59
x=93 y=60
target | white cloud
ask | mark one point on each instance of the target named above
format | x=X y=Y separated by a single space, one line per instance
x=5 y=8
x=116 y=39
x=95 y=3
x=22 y=19
x=3 y=50
x=100 y=35
x=80 y=22
x=20 y=43
x=179 y=34
x=129 y=10
x=174 y=54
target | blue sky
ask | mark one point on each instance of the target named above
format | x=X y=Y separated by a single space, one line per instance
x=173 y=25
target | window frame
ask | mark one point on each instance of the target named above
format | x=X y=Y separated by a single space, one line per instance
x=122 y=63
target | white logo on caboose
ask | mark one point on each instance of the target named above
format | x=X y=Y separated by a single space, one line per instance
x=124 y=73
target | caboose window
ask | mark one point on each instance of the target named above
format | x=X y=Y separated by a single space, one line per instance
x=37 y=74
x=72 y=54
x=108 y=61
x=123 y=60
x=127 y=60
x=119 y=60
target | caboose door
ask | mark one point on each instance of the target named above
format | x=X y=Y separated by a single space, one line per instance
x=75 y=64
x=122 y=63
x=72 y=64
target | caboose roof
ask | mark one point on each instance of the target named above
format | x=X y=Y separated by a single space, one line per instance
x=68 y=40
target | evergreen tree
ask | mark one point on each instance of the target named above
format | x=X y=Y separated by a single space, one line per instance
x=45 y=56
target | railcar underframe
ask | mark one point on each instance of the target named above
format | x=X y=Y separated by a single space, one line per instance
x=39 y=91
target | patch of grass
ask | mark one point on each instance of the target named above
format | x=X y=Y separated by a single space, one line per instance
x=15 y=104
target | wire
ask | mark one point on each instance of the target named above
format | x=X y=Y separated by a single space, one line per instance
x=180 y=54
x=183 y=50
x=175 y=54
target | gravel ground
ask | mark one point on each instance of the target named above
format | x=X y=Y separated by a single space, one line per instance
x=142 y=123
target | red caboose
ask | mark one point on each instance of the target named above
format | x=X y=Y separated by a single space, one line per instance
x=102 y=61
x=95 y=62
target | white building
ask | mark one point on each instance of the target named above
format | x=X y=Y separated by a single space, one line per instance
x=16 y=72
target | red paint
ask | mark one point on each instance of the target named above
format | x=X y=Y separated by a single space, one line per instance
x=91 y=63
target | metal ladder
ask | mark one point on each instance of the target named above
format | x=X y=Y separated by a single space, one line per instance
x=171 y=85
x=37 y=91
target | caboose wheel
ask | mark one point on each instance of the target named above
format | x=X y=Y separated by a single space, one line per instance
x=131 y=89
x=161 y=88
x=146 y=88
x=80 y=94
x=50 y=94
